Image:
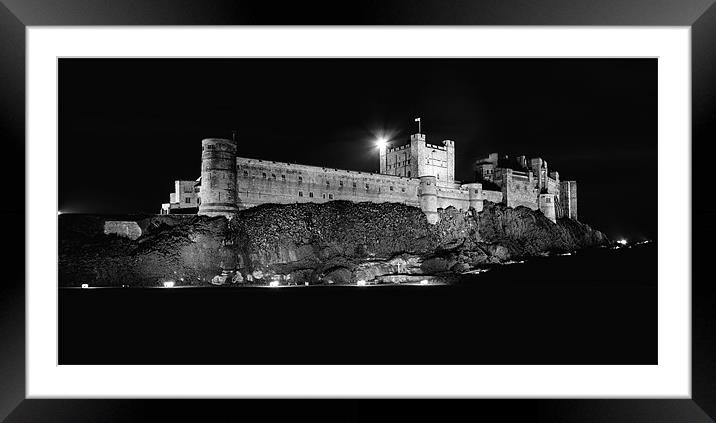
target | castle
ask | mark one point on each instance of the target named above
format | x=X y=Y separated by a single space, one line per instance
x=417 y=173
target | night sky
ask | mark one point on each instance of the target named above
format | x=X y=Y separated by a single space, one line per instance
x=129 y=127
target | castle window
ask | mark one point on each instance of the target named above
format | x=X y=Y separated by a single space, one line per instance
x=330 y=196
x=300 y=179
x=354 y=184
x=402 y=189
x=408 y=174
x=391 y=187
x=366 y=187
x=475 y=191
x=328 y=184
x=246 y=173
x=300 y=193
x=323 y=195
x=210 y=147
x=187 y=200
x=340 y=183
x=264 y=174
x=273 y=175
x=283 y=178
x=310 y=194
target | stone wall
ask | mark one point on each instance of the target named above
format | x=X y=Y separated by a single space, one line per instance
x=552 y=186
x=518 y=188
x=398 y=162
x=458 y=197
x=493 y=196
x=262 y=181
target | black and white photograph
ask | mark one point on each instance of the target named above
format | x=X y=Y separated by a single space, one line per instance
x=365 y=211
x=357 y=211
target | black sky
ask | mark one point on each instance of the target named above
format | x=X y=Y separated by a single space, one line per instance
x=129 y=127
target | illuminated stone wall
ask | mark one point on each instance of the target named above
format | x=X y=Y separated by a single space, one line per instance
x=263 y=181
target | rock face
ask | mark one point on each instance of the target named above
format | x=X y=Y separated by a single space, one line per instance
x=336 y=242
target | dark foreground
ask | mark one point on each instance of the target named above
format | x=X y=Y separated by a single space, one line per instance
x=594 y=307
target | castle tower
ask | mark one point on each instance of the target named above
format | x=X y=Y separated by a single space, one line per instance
x=450 y=146
x=536 y=165
x=218 y=177
x=546 y=206
x=428 y=193
x=568 y=198
x=417 y=155
x=475 y=196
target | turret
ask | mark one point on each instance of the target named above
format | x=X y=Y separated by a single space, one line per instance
x=417 y=154
x=218 y=177
x=475 y=196
x=450 y=146
x=428 y=194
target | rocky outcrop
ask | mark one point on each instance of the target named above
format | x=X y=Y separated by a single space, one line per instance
x=336 y=242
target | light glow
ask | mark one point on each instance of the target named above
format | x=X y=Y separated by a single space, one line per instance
x=273 y=284
x=381 y=143
x=361 y=283
x=169 y=284
x=622 y=241
x=424 y=282
x=85 y=285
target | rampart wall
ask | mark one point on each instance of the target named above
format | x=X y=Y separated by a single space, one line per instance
x=262 y=181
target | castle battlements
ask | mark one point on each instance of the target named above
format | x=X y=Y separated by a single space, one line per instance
x=416 y=173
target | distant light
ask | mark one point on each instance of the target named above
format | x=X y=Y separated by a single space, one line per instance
x=424 y=282
x=273 y=284
x=59 y=212
x=381 y=143
x=622 y=241
x=169 y=284
x=85 y=285
x=361 y=282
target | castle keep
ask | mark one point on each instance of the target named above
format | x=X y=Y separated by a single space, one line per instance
x=418 y=174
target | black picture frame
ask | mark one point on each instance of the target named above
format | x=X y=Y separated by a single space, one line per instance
x=16 y=15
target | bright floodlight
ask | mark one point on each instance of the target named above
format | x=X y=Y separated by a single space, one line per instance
x=273 y=284
x=622 y=241
x=361 y=282
x=382 y=142
x=424 y=282
x=85 y=285
x=169 y=284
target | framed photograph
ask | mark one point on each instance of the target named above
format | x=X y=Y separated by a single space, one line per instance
x=490 y=210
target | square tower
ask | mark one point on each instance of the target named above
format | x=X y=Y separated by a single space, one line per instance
x=432 y=160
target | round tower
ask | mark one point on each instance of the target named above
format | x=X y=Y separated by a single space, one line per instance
x=218 y=178
x=429 y=198
x=475 y=195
